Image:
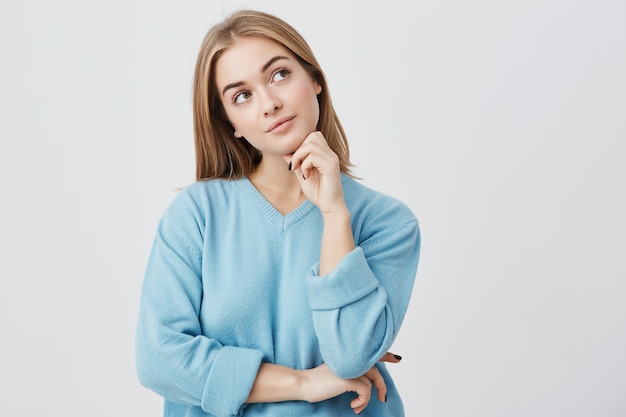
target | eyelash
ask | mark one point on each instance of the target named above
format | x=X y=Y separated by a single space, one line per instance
x=286 y=72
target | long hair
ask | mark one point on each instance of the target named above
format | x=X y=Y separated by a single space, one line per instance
x=218 y=155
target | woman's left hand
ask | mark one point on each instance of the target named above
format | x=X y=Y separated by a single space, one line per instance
x=317 y=169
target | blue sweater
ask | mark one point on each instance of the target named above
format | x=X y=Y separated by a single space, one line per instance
x=231 y=283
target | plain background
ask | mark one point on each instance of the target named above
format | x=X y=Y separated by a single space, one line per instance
x=501 y=124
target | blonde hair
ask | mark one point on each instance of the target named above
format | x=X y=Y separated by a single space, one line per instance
x=218 y=153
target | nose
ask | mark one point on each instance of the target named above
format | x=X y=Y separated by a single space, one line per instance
x=271 y=103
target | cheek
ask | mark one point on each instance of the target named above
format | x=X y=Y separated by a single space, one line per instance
x=239 y=119
x=306 y=96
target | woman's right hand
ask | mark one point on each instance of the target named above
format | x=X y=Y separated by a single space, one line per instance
x=321 y=383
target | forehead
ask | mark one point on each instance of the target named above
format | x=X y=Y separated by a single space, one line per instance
x=245 y=58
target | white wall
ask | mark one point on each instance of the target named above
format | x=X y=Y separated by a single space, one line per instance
x=502 y=124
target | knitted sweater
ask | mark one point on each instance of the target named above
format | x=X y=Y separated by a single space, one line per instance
x=231 y=283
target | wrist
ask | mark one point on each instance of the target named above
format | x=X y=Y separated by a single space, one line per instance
x=336 y=216
x=337 y=240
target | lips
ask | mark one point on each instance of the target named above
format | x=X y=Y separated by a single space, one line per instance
x=282 y=122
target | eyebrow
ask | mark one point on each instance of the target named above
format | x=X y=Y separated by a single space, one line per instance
x=271 y=61
x=263 y=69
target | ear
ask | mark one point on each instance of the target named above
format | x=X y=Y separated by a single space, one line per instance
x=317 y=87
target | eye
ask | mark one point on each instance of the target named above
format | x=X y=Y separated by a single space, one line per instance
x=241 y=97
x=280 y=75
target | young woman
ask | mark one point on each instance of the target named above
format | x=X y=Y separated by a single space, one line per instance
x=276 y=283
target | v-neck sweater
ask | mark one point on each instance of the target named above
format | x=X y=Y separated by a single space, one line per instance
x=231 y=282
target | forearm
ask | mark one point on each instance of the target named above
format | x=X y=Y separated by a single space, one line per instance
x=353 y=340
x=275 y=383
x=358 y=307
x=337 y=240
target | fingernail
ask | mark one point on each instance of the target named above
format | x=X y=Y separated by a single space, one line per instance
x=385 y=397
x=398 y=357
x=303 y=177
x=289 y=167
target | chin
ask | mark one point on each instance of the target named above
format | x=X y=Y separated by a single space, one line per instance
x=288 y=145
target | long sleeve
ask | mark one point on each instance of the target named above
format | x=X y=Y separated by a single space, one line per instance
x=173 y=357
x=226 y=288
x=359 y=306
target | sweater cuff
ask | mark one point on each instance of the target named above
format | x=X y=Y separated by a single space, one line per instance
x=230 y=380
x=350 y=281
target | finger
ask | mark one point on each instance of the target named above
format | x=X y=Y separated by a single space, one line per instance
x=315 y=143
x=390 y=357
x=299 y=154
x=379 y=382
x=304 y=168
x=287 y=158
x=302 y=173
x=364 y=391
x=316 y=137
x=297 y=158
x=311 y=164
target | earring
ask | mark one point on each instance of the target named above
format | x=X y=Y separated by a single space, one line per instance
x=237 y=134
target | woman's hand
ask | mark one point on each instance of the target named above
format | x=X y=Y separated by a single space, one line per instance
x=321 y=384
x=317 y=169
x=318 y=172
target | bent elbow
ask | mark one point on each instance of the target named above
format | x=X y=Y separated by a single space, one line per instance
x=149 y=374
x=146 y=371
x=350 y=366
x=349 y=372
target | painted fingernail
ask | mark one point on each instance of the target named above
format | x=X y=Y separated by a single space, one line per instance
x=385 y=397
x=398 y=357
x=289 y=167
x=303 y=177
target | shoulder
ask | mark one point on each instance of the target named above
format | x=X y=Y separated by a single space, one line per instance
x=377 y=217
x=197 y=199
x=365 y=201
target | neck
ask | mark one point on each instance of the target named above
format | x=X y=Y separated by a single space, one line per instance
x=277 y=184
